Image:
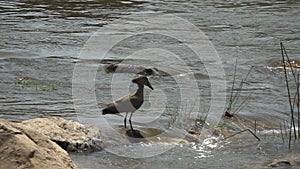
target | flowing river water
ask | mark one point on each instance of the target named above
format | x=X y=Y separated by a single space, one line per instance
x=44 y=43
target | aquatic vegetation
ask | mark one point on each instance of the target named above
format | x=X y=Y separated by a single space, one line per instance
x=27 y=82
x=233 y=106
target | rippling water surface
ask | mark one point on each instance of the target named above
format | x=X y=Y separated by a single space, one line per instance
x=41 y=42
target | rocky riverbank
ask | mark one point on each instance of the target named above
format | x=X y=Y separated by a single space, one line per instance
x=44 y=142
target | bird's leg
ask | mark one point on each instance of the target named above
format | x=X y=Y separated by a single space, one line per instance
x=130 y=121
x=125 y=119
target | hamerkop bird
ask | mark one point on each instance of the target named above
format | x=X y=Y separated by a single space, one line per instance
x=129 y=103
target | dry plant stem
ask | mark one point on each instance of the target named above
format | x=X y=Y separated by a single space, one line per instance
x=298 y=108
x=255 y=126
x=285 y=128
x=288 y=59
x=281 y=132
x=242 y=132
x=283 y=54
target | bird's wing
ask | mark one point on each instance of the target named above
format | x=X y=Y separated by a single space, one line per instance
x=114 y=103
x=122 y=99
x=110 y=104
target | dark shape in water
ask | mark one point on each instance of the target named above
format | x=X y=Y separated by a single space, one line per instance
x=228 y=115
x=125 y=68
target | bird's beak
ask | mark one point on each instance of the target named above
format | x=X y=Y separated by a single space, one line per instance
x=149 y=85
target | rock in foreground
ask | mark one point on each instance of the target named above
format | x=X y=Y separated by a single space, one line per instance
x=23 y=147
x=71 y=136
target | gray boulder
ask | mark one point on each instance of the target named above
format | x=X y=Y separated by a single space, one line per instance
x=23 y=147
x=70 y=135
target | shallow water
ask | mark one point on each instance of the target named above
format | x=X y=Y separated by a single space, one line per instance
x=41 y=43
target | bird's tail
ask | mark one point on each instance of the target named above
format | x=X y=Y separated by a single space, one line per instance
x=109 y=110
x=105 y=111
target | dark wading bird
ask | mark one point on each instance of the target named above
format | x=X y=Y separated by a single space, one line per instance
x=130 y=103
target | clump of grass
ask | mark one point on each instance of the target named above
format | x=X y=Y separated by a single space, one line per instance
x=183 y=118
x=199 y=121
x=233 y=106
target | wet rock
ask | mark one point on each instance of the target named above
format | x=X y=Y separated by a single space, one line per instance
x=70 y=135
x=280 y=163
x=23 y=147
x=296 y=161
x=126 y=68
x=155 y=135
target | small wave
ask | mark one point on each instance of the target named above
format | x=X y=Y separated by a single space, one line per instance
x=279 y=65
x=204 y=150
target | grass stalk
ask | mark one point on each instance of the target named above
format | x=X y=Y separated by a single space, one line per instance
x=281 y=133
x=297 y=103
x=285 y=128
x=241 y=106
x=255 y=126
x=284 y=54
x=232 y=88
x=236 y=96
x=242 y=132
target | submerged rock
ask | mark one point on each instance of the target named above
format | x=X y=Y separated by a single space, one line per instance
x=280 y=163
x=156 y=135
x=70 y=135
x=141 y=70
x=23 y=147
x=289 y=161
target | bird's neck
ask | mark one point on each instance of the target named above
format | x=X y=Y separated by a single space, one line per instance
x=140 y=91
